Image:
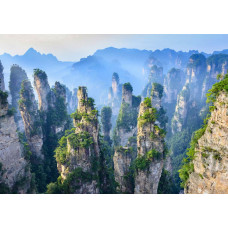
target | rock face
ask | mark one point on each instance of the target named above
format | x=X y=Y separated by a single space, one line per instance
x=173 y=83
x=216 y=64
x=126 y=125
x=82 y=148
x=42 y=88
x=17 y=75
x=127 y=94
x=106 y=115
x=15 y=170
x=124 y=137
x=210 y=173
x=156 y=75
x=180 y=115
x=2 y=84
x=123 y=160
x=114 y=96
x=151 y=149
x=51 y=102
x=72 y=100
x=31 y=119
x=196 y=72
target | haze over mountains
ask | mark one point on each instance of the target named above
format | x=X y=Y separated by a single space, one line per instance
x=95 y=71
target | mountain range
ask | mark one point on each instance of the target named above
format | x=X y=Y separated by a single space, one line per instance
x=95 y=71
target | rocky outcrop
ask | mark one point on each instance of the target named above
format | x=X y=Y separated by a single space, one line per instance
x=196 y=72
x=216 y=64
x=72 y=100
x=151 y=148
x=123 y=168
x=17 y=75
x=180 y=115
x=81 y=149
x=155 y=76
x=115 y=94
x=31 y=119
x=52 y=102
x=210 y=163
x=2 y=83
x=42 y=88
x=15 y=173
x=124 y=137
x=106 y=115
x=126 y=125
x=173 y=83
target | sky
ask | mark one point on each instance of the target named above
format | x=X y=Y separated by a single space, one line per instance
x=75 y=47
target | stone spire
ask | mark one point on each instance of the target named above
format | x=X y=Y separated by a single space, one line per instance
x=42 y=88
x=31 y=119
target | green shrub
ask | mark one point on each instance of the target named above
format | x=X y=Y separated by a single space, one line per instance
x=149 y=116
x=41 y=74
x=80 y=140
x=147 y=102
x=143 y=162
x=3 y=97
x=127 y=86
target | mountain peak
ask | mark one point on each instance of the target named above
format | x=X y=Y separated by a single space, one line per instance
x=31 y=51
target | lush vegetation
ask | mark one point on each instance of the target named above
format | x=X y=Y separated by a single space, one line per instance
x=3 y=97
x=127 y=86
x=217 y=88
x=165 y=185
x=217 y=60
x=143 y=162
x=127 y=118
x=149 y=115
x=156 y=87
x=41 y=74
x=106 y=114
x=197 y=60
x=147 y=102
x=188 y=167
x=136 y=101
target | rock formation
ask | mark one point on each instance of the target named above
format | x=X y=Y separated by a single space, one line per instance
x=180 y=115
x=151 y=147
x=209 y=152
x=17 y=75
x=126 y=125
x=216 y=64
x=156 y=75
x=15 y=173
x=2 y=83
x=31 y=119
x=196 y=72
x=78 y=158
x=106 y=115
x=114 y=96
x=72 y=100
x=124 y=137
x=123 y=168
x=42 y=88
x=173 y=83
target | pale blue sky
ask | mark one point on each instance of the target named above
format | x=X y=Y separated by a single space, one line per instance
x=74 y=47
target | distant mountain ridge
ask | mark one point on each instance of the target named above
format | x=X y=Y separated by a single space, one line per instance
x=95 y=71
